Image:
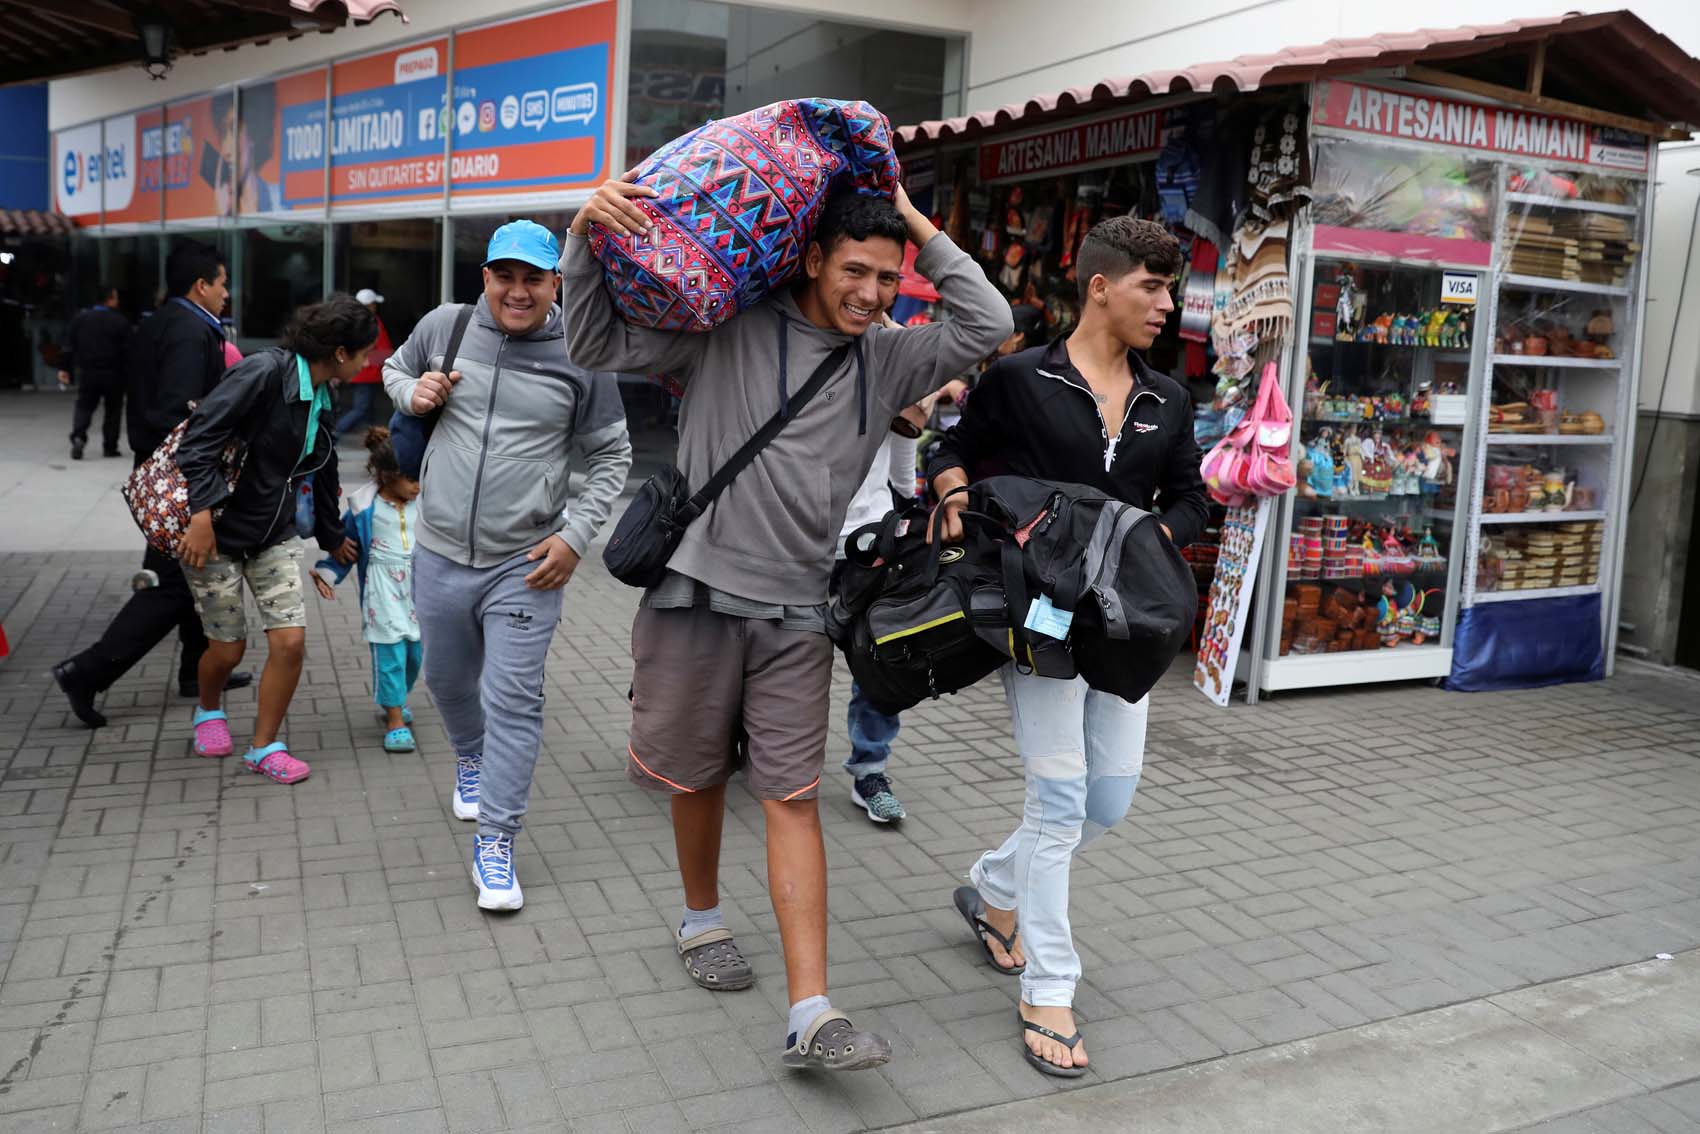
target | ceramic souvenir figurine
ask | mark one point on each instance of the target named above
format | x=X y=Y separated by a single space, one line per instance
x=1429 y=557
x=1437 y=464
x=1345 y=307
x=1383 y=324
x=1556 y=491
x=1387 y=615
x=1306 y=469
x=1436 y=327
x=1322 y=466
x=1354 y=462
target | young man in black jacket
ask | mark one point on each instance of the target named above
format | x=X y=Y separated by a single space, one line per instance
x=176 y=357
x=1085 y=409
x=96 y=347
x=276 y=404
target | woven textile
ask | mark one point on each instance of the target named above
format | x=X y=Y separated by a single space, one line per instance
x=737 y=202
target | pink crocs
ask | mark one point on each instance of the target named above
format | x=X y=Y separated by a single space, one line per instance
x=274 y=762
x=212 y=733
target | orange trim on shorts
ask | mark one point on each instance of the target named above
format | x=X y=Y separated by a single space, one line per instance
x=794 y=794
x=665 y=780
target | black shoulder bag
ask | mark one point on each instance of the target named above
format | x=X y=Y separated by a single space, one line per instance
x=409 y=434
x=654 y=523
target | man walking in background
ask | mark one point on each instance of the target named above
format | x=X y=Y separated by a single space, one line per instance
x=176 y=357
x=94 y=350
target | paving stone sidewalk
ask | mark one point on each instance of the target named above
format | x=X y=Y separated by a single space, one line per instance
x=189 y=947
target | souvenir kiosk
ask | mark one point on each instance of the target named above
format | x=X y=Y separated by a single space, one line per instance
x=1468 y=278
x=1451 y=286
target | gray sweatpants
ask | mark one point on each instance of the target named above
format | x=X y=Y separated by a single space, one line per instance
x=486 y=640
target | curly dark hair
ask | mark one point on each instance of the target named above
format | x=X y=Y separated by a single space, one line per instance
x=319 y=329
x=858 y=216
x=1120 y=245
x=381 y=462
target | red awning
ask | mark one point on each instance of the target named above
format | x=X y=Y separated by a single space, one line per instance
x=1611 y=60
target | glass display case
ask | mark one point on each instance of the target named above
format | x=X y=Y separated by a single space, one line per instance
x=1372 y=561
x=1547 y=486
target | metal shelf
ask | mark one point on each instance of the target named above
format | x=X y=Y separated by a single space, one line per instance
x=1542 y=283
x=1550 y=439
x=1541 y=517
x=1537 y=593
x=1544 y=361
x=1571 y=203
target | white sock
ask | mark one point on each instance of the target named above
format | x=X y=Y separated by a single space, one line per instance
x=698 y=921
x=803 y=1014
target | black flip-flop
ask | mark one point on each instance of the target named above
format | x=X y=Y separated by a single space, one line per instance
x=1040 y=1061
x=969 y=905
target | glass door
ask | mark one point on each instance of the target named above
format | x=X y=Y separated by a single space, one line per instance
x=1372 y=554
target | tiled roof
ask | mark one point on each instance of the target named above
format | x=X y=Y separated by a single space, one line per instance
x=1616 y=50
x=32 y=222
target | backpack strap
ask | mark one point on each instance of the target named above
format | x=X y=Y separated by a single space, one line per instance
x=463 y=318
x=741 y=460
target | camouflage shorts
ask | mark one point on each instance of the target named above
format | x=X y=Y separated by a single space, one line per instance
x=274 y=575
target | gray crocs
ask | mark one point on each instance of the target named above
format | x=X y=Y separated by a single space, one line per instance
x=833 y=1043
x=713 y=961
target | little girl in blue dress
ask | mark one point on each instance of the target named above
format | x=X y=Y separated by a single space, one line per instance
x=381 y=517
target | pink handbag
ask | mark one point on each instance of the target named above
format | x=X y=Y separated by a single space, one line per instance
x=1254 y=458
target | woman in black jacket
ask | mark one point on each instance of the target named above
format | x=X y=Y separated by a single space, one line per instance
x=1085 y=409
x=275 y=408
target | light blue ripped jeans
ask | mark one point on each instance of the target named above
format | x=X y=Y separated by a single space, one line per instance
x=1082 y=751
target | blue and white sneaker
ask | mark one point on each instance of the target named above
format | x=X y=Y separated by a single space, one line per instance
x=873 y=795
x=493 y=871
x=466 y=786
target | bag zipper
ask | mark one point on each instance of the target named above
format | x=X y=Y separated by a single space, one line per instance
x=1097 y=583
x=1110 y=443
x=289 y=481
x=484 y=453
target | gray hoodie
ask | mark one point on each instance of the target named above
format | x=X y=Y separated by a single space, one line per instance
x=771 y=535
x=494 y=479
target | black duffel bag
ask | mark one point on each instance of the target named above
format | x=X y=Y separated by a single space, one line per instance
x=917 y=620
x=1110 y=572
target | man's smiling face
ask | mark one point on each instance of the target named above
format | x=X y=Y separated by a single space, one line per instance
x=519 y=294
x=850 y=287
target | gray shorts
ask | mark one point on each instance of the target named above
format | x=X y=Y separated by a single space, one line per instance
x=274 y=575
x=706 y=685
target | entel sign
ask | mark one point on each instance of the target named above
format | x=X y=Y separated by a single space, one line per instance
x=83 y=163
x=1356 y=108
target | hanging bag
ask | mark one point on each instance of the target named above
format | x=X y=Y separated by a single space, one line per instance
x=1254 y=459
x=158 y=493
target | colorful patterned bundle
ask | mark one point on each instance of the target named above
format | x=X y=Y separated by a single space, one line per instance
x=158 y=492
x=737 y=202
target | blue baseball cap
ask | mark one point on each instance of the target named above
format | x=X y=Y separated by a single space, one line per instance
x=525 y=241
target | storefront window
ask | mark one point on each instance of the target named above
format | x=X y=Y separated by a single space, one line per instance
x=692 y=60
x=282 y=268
x=472 y=237
x=132 y=265
x=401 y=260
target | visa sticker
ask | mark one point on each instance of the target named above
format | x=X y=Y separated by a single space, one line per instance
x=1044 y=618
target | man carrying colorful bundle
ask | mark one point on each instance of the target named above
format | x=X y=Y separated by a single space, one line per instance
x=734 y=637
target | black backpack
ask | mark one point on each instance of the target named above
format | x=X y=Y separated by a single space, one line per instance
x=1108 y=564
x=917 y=620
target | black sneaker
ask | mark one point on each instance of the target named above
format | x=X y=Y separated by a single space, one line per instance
x=112 y=452
x=77 y=691
x=873 y=795
x=76 y=450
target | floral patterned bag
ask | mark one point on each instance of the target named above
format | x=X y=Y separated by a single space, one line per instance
x=158 y=492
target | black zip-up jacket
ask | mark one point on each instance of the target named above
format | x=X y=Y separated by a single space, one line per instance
x=1032 y=414
x=259 y=404
x=176 y=357
x=97 y=343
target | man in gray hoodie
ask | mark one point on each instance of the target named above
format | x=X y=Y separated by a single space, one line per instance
x=733 y=641
x=497 y=538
